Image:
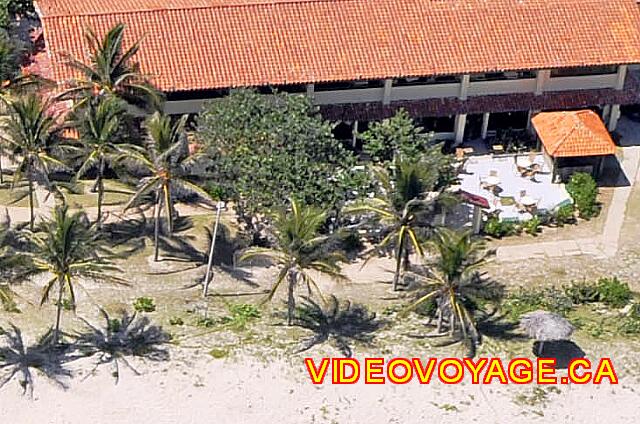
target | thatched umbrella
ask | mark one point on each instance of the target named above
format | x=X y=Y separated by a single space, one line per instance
x=545 y=326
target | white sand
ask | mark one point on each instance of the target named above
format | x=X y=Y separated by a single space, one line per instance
x=194 y=388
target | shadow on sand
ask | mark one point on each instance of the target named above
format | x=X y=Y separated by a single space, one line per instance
x=564 y=351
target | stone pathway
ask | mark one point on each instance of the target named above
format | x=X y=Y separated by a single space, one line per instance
x=604 y=246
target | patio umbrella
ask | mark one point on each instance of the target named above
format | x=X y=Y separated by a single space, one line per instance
x=545 y=326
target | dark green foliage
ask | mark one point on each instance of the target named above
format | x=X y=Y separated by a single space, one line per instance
x=144 y=304
x=269 y=148
x=613 y=292
x=498 y=229
x=10 y=54
x=563 y=215
x=582 y=292
x=240 y=314
x=532 y=226
x=526 y=300
x=394 y=136
x=584 y=191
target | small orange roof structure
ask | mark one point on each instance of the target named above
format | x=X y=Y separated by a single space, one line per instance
x=573 y=134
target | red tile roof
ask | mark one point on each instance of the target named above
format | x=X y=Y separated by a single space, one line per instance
x=204 y=44
x=573 y=134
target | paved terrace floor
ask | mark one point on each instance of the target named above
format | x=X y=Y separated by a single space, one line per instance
x=606 y=245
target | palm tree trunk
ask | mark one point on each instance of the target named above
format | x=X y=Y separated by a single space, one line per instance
x=31 y=217
x=156 y=230
x=439 y=323
x=1 y=173
x=56 y=331
x=291 y=301
x=100 y=183
x=399 y=253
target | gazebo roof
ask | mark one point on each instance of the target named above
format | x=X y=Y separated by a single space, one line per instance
x=573 y=134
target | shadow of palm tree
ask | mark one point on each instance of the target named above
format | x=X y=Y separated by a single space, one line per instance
x=341 y=322
x=19 y=359
x=564 y=351
x=120 y=339
x=134 y=232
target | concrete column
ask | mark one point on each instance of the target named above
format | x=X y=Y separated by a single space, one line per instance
x=354 y=133
x=621 y=75
x=613 y=118
x=477 y=219
x=541 y=77
x=529 y=116
x=310 y=90
x=606 y=111
x=485 y=125
x=460 y=123
x=386 y=96
x=464 y=87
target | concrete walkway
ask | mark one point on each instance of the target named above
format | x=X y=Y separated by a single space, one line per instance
x=606 y=245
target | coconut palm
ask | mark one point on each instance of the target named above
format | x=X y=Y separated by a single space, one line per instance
x=408 y=195
x=29 y=132
x=67 y=247
x=299 y=249
x=110 y=71
x=169 y=163
x=98 y=125
x=453 y=281
x=13 y=261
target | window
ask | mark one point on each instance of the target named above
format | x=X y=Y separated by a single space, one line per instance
x=509 y=75
x=445 y=79
x=197 y=94
x=349 y=85
x=583 y=71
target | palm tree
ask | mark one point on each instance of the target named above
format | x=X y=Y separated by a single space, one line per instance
x=29 y=133
x=110 y=71
x=299 y=249
x=453 y=280
x=66 y=247
x=166 y=157
x=98 y=125
x=406 y=197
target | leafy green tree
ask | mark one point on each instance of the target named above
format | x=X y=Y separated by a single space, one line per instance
x=29 y=133
x=111 y=71
x=299 y=249
x=169 y=164
x=98 y=125
x=453 y=281
x=397 y=135
x=269 y=148
x=406 y=201
x=67 y=247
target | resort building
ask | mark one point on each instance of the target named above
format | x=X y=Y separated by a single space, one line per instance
x=463 y=68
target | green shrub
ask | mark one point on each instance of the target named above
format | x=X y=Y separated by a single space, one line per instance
x=584 y=192
x=526 y=300
x=144 y=304
x=241 y=314
x=498 y=229
x=176 y=321
x=613 y=292
x=563 y=215
x=629 y=326
x=582 y=292
x=532 y=226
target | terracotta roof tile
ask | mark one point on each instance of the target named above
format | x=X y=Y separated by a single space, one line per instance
x=573 y=134
x=204 y=44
